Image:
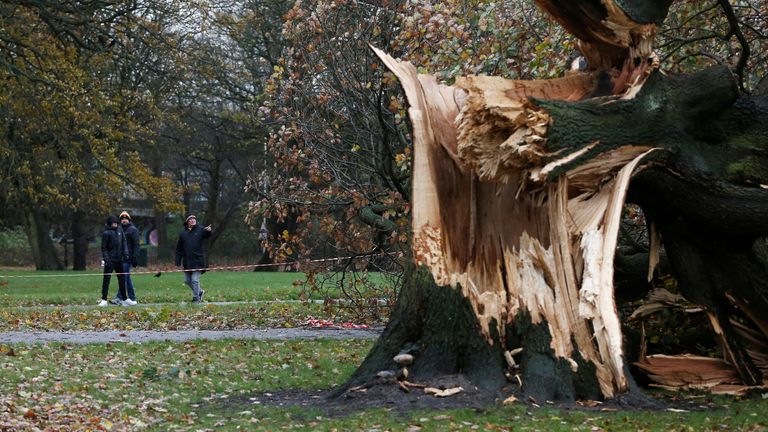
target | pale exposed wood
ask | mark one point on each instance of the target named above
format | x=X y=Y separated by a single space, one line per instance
x=596 y=293
x=509 y=359
x=665 y=372
x=606 y=35
x=498 y=91
x=443 y=393
x=509 y=401
x=413 y=385
x=495 y=105
x=628 y=33
x=685 y=372
x=659 y=299
x=654 y=254
x=545 y=248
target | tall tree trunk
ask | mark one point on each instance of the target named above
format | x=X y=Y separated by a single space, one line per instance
x=38 y=231
x=212 y=208
x=79 y=241
x=186 y=200
x=164 y=249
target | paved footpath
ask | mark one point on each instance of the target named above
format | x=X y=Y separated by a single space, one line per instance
x=138 y=336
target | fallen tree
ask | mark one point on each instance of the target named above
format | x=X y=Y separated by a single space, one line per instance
x=518 y=191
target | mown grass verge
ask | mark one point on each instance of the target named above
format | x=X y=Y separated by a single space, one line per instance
x=35 y=288
x=71 y=288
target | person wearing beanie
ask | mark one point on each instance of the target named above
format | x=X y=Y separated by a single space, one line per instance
x=132 y=238
x=114 y=251
x=190 y=254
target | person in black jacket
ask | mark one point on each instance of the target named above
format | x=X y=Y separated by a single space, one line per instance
x=114 y=251
x=190 y=253
x=132 y=238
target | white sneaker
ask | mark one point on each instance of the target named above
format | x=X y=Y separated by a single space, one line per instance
x=103 y=303
x=129 y=302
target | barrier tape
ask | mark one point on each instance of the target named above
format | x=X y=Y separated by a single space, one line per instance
x=159 y=272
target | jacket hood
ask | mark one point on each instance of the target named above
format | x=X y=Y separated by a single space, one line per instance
x=112 y=219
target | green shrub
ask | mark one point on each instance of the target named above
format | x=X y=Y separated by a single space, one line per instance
x=14 y=248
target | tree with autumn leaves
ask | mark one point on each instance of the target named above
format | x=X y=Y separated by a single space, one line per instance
x=113 y=99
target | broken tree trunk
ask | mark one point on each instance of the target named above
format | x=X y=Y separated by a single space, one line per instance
x=518 y=188
x=524 y=252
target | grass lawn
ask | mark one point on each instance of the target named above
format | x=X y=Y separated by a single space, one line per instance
x=40 y=288
x=158 y=385
x=207 y=385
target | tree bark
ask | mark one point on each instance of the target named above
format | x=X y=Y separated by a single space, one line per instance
x=79 y=241
x=212 y=207
x=164 y=249
x=38 y=230
x=438 y=326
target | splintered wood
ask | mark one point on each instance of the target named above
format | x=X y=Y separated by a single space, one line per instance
x=607 y=36
x=501 y=133
x=485 y=219
x=685 y=372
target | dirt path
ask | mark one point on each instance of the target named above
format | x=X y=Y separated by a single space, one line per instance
x=184 y=335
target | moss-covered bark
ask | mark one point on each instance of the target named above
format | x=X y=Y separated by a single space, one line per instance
x=438 y=326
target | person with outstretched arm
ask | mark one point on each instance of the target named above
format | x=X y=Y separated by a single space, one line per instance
x=114 y=252
x=190 y=254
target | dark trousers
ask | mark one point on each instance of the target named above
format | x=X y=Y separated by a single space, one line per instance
x=109 y=267
x=128 y=283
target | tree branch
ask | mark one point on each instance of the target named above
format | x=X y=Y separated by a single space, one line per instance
x=733 y=22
